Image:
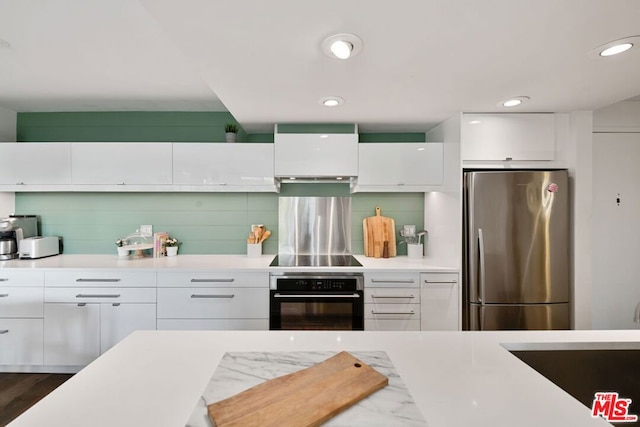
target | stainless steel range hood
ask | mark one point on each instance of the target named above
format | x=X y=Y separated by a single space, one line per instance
x=316 y=157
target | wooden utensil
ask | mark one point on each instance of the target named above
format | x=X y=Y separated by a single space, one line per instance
x=308 y=397
x=265 y=236
x=376 y=230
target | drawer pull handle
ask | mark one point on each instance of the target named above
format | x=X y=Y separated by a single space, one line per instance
x=411 y=313
x=98 y=280
x=447 y=282
x=98 y=296
x=392 y=281
x=4 y=331
x=392 y=296
x=82 y=304
x=212 y=280
x=116 y=304
x=3 y=279
x=317 y=296
x=212 y=296
x=4 y=295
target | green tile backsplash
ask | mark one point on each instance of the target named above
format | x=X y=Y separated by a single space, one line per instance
x=206 y=223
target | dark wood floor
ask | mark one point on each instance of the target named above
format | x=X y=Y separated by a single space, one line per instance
x=18 y=392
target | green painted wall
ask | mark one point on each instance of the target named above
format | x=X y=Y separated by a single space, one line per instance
x=206 y=223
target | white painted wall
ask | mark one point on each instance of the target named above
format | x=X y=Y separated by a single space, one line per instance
x=577 y=152
x=616 y=227
x=7 y=134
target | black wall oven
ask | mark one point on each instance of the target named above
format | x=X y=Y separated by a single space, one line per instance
x=312 y=301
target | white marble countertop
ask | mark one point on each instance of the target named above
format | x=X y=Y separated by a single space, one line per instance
x=226 y=262
x=155 y=378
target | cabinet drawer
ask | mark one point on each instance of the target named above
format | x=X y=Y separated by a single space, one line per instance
x=21 y=341
x=97 y=295
x=213 y=324
x=100 y=278
x=392 y=296
x=214 y=279
x=391 y=324
x=382 y=280
x=202 y=303
x=392 y=311
x=21 y=301
x=21 y=278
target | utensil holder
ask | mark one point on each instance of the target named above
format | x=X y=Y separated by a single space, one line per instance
x=254 y=250
x=415 y=250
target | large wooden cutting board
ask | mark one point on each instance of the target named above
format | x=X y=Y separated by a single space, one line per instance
x=376 y=230
x=308 y=397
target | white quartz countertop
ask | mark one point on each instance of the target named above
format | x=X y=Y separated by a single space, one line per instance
x=228 y=262
x=155 y=378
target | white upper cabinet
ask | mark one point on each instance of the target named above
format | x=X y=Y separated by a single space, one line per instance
x=34 y=163
x=508 y=137
x=121 y=163
x=316 y=155
x=399 y=166
x=217 y=167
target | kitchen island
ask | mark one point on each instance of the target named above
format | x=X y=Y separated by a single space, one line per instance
x=155 y=378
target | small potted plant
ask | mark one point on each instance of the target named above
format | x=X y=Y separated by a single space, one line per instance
x=231 y=132
x=122 y=251
x=171 y=244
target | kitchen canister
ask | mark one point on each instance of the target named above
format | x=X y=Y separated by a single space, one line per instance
x=254 y=250
x=415 y=250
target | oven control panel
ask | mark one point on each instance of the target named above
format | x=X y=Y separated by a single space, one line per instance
x=322 y=284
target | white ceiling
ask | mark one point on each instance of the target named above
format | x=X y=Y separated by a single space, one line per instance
x=422 y=60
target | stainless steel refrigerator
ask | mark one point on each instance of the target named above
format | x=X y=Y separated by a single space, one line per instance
x=516 y=261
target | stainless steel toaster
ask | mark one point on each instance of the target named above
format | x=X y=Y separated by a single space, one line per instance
x=39 y=247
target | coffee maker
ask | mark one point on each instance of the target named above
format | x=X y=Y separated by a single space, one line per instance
x=10 y=236
x=14 y=229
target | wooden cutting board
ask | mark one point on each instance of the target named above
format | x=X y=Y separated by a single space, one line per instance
x=308 y=397
x=376 y=230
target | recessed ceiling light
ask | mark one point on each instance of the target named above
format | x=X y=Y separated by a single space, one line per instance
x=614 y=47
x=513 y=102
x=331 y=101
x=342 y=46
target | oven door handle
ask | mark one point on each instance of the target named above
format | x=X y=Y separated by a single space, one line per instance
x=317 y=296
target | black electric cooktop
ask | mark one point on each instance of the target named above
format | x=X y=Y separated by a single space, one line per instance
x=285 y=260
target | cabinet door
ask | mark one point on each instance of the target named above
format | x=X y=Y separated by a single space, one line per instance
x=231 y=165
x=119 y=320
x=439 y=302
x=71 y=333
x=121 y=163
x=35 y=163
x=312 y=155
x=508 y=137
x=400 y=164
x=21 y=341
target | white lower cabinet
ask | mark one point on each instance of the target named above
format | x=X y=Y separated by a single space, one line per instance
x=21 y=341
x=86 y=312
x=119 y=320
x=21 y=317
x=392 y=302
x=71 y=333
x=213 y=301
x=439 y=302
x=77 y=333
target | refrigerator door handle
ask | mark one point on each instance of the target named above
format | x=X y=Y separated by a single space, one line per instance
x=481 y=277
